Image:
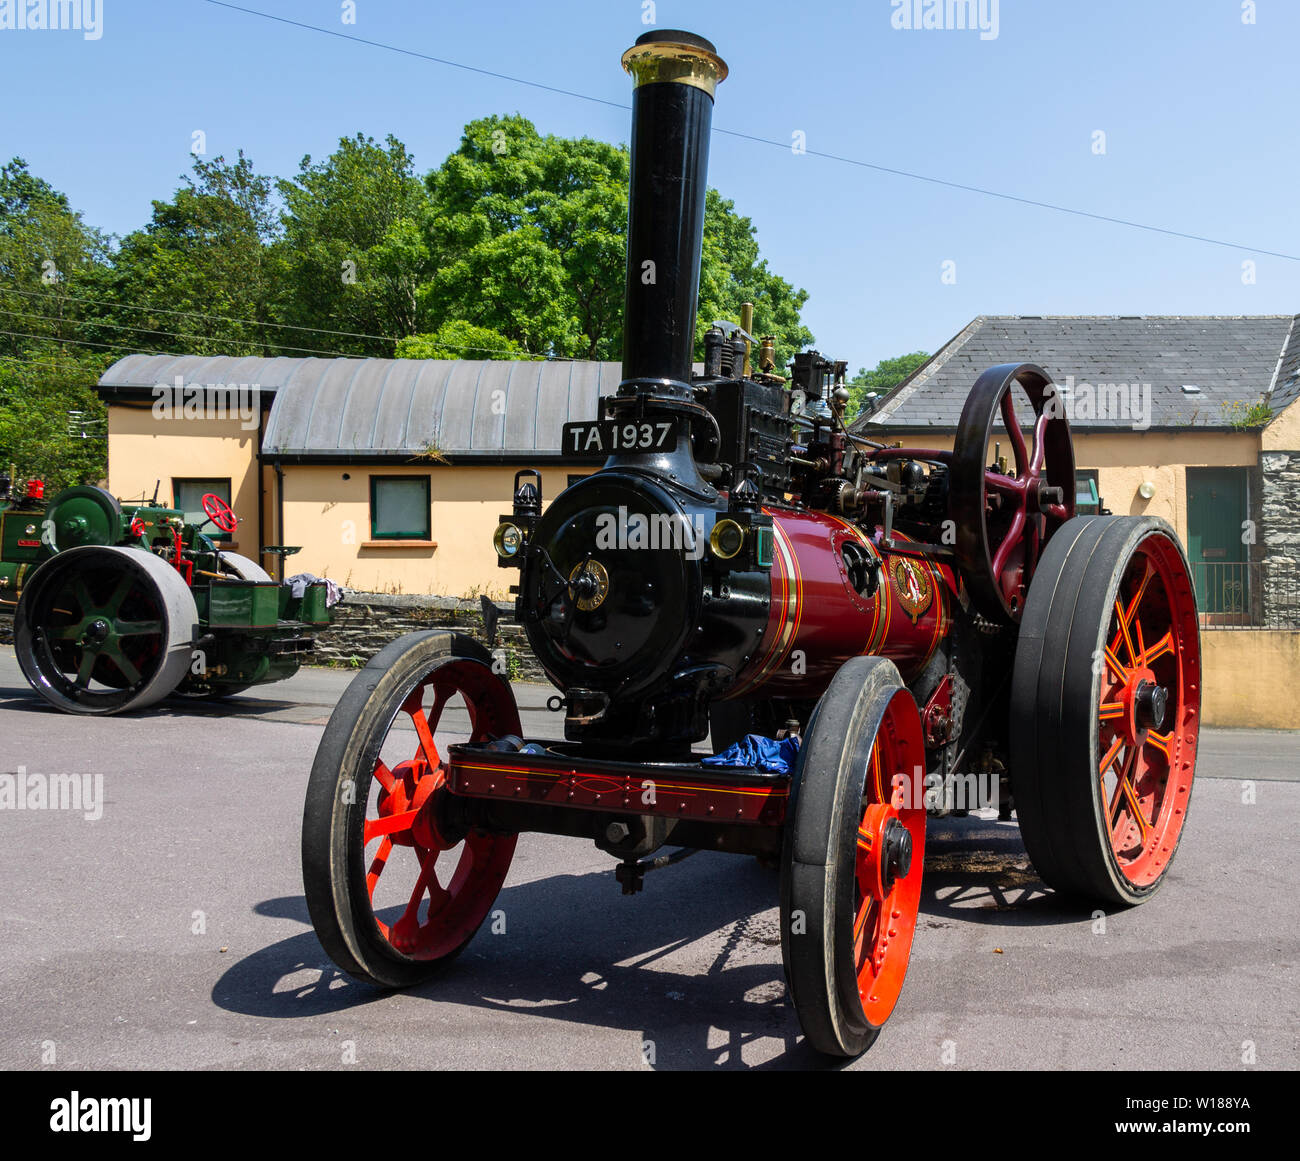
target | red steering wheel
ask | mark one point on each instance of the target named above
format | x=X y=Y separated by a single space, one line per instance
x=219 y=512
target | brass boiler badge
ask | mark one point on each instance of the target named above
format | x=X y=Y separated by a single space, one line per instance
x=913 y=584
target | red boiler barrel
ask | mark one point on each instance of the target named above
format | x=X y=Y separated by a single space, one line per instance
x=818 y=620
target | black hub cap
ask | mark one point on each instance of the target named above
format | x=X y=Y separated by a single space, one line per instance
x=1152 y=700
x=97 y=632
x=898 y=852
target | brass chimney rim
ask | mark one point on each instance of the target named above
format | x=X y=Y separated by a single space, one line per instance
x=668 y=56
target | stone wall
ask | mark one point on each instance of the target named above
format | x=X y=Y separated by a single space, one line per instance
x=1279 y=546
x=366 y=622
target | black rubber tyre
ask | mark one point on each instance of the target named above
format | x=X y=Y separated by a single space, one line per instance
x=827 y=923
x=334 y=857
x=1079 y=739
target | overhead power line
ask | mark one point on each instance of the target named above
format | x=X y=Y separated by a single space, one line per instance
x=155 y=331
x=784 y=145
x=45 y=295
x=151 y=330
x=74 y=342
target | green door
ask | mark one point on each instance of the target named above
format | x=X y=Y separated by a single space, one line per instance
x=1216 y=540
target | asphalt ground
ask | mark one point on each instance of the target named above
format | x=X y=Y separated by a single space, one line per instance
x=171 y=932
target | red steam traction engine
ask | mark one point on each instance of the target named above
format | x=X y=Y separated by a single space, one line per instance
x=744 y=565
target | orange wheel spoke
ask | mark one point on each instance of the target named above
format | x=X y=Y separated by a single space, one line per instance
x=1135 y=808
x=425 y=735
x=1115 y=748
x=1118 y=798
x=860 y=920
x=1147 y=574
x=384 y=776
x=1128 y=639
x=378 y=863
x=411 y=915
x=1160 y=648
x=439 y=896
x=1160 y=741
x=389 y=824
x=1111 y=709
x=1126 y=796
x=1114 y=662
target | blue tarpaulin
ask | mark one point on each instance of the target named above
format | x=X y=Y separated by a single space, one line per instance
x=754 y=751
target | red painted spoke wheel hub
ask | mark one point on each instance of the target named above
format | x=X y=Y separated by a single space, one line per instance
x=431 y=888
x=890 y=854
x=1146 y=713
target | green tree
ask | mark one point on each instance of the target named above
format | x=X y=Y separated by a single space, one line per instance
x=355 y=246
x=208 y=252
x=460 y=340
x=48 y=258
x=881 y=379
x=51 y=420
x=530 y=235
x=47 y=253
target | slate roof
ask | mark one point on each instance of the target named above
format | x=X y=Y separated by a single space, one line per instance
x=1232 y=359
x=1286 y=388
x=351 y=408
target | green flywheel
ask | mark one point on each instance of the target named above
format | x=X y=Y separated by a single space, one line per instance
x=85 y=515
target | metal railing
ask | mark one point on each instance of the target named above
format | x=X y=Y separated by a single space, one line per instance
x=1248 y=594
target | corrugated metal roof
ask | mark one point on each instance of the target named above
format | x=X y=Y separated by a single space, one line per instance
x=1232 y=359
x=400 y=407
x=146 y=371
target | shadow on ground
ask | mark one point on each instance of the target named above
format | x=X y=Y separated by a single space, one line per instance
x=16 y=697
x=576 y=950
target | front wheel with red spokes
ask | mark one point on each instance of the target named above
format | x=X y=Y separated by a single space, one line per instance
x=853 y=857
x=1106 y=708
x=395 y=887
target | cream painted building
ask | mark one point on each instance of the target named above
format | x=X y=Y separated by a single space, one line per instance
x=388 y=475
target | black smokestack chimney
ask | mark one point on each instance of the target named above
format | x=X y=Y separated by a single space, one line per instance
x=675 y=75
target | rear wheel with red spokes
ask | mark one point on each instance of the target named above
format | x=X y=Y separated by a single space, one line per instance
x=854 y=850
x=395 y=887
x=1106 y=708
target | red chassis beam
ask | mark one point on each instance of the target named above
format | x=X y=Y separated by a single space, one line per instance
x=685 y=791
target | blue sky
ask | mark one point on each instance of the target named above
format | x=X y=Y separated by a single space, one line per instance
x=1199 y=111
